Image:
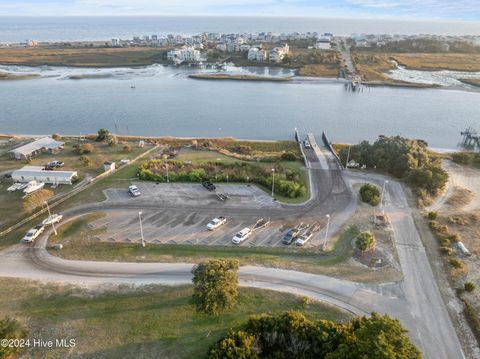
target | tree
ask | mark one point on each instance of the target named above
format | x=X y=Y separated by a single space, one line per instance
x=127 y=148
x=56 y=136
x=381 y=337
x=370 y=194
x=112 y=140
x=85 y=148
x=292 y=335
x=36 y=199
x=103 y=135
x=365 y=241
x=85 y=160
x=215 y=285
x=10 y=329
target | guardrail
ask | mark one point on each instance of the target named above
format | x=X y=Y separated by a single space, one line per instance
x=70 y=195
x=328 y=144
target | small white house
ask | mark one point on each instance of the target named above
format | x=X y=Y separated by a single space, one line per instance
x=39 y=174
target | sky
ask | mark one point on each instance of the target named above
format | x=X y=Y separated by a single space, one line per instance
x=405 y=9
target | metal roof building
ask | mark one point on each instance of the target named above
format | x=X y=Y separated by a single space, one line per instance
x=39 y=174
x=45 y=144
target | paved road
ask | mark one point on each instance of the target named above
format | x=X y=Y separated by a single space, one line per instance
x=416 y=301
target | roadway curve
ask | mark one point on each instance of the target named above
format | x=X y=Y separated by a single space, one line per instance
x=416 y=300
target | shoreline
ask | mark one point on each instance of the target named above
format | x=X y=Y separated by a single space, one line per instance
x=238 y=77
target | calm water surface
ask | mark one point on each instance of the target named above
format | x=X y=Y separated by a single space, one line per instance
x=166 y=102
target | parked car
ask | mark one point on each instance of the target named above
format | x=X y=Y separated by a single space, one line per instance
x=290 y=236
x=33 y=234
x=134 y=191
x=209 y=185
x=306 y=143
x=242 y=235
x=54 y=218
x=55 y=164
x=216 y=223
x=304 y=238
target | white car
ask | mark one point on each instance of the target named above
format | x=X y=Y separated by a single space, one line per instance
x=134 y=191
x=33 y=234
x=54 y=218
x=242 y=235
x=304 y=238
x=216 y=223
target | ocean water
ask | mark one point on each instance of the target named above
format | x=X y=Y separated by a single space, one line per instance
x=18 y=29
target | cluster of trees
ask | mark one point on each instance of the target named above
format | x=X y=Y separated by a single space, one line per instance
x=370 y=194
x=288 y=182
x=291 y=335
x=215 y=285
x=403 y=158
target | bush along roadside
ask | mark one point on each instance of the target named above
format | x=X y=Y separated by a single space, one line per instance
x=288 y=182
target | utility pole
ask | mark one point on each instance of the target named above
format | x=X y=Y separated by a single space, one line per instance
x=141 y=228
x=273 y=181
x=326 y=233
x=50 y=217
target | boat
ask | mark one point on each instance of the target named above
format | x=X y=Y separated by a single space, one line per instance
x=33 y=186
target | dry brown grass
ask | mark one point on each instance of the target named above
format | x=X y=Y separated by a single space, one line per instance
x=372 y=67
x=87 y=57
x=319 y=70
x=438 y=61
x=473 y=82
x=460 y=197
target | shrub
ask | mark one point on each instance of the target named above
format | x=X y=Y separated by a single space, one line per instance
x=288 y=156
x=469 y=286
x=127 y=148
x=365 y=241
x=455 y=263
x=103 y=135
x=85 y=148
x=370 y=194
x=56 y=136
x=84 y=159
x=112 y=140
x=446 y=250
x=432 y=215
x=11 y=329
x=455 y=238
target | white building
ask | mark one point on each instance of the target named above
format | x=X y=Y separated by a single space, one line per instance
x=252 y=54
x=116 y=42
x=45 y=144
x=187 y=54
x=39 y=174
x=277 y=54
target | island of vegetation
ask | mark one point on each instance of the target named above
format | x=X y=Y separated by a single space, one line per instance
x=210 y=76
x=11 y=76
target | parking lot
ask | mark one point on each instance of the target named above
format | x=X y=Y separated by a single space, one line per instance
x=177 y=226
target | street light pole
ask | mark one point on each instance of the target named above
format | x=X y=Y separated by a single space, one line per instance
x=348 y=157
x=326 y=233
x=383 y=193
x=50 y=217
x=141 y=228
x=273 y=181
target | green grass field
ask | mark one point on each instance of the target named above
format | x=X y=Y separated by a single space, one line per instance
x=147 y=322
